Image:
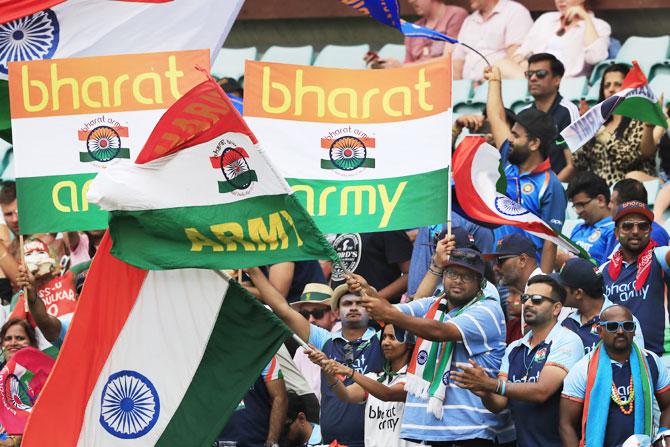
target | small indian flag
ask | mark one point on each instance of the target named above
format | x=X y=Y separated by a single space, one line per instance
x=233 y=163
x=174 y=353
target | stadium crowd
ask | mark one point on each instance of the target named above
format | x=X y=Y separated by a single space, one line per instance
x=456 y=334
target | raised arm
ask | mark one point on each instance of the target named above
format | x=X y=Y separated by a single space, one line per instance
x=355 y=392
x=495 y=110
x=48 y=324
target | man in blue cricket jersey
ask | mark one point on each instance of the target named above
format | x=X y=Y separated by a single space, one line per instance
x=533 y=368
x=524 y=151
x=590 y=196
x=608 y=387
x=357 y=345
x=584 y=288
x=637 y=275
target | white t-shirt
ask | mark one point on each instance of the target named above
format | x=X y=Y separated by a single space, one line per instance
x=382 y=419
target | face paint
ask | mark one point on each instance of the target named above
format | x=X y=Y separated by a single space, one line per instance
x=37 y=257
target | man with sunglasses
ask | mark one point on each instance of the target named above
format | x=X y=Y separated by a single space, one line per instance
x=514 y=260
x=637 y=276
x=605 y=391
x=533 y=368
x=524 y=154
x=585 y=287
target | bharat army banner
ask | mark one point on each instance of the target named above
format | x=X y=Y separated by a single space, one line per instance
x=73 y=117
x=363 y=150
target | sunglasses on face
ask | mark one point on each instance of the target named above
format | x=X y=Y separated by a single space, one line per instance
x=541 y=74
x=465 y=277
x=642 y=225
x=613 y=326
x=500 y=260
x=316 y=313
x=536 y=299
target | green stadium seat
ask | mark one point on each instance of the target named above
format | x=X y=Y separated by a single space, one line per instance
x=339 y=56
x=646 y=50
x=394 y=51
x=593 y=94
x=660 y=85
x=513 y=90
x=289 y=55
x=573 y=89
x=652 y=187
x=229 y=63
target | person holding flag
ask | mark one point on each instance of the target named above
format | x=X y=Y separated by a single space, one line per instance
x=628 y=375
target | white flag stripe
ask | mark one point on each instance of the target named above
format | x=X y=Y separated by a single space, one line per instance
x=184 y=330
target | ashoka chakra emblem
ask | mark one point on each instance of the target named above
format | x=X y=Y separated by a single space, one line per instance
x=103 y=143
x=28 y=38
x=509 y=207
x=347 y=153
x=130 y=405
x=235 y=167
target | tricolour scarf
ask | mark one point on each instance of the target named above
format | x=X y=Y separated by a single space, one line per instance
x=431 y=360
x=643 y=264
x=599 y=385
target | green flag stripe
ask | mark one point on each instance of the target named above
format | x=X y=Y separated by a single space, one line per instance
x=642 y=109
x=367 y=163
x=85 y=157
x=243 y=179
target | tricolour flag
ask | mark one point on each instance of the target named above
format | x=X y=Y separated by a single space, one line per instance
x=635 y=100
x=31 y=30
x=364 y=150
x=153 y=358
x=477 y=175
x=203 y=194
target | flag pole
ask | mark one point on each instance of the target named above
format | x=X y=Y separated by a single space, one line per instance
x=23 y=261
x=449 y=202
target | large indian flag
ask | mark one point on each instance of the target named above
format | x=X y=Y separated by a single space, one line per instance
x=57 y=29
x=203 y=194
x=364 y=150
x=173 y=353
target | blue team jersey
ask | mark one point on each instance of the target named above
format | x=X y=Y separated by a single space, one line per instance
x=586 y=235
x=619 y=426
x=605 y=246
x=588 y=331
x=341 y=420
x=536 y=423
x=539 y=191
x=649 y=304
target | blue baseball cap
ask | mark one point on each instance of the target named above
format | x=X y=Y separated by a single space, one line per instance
x=512 y=245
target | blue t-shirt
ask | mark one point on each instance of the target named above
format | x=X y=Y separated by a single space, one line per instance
x=619 y=426
x=586 y=235
x=588 y=331
x=649 y=304
x=482 y=327
x=605 y=246
x=341 y=420
x=539 y=191
x=537 y=423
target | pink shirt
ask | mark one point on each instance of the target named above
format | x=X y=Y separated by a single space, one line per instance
x=421 y=49
x=506 y=26
x=568 y=48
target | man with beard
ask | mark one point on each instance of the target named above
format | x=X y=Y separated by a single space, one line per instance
x=515 y=261
x=637 y=275
x=357 y=345
x=524 y=151
x=606 y=390
x=533 y=368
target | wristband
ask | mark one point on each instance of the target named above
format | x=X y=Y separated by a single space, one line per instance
x=436 y=273
x=494 y=80
x=351 y=375
x=331 y=386
x=503 y=389
x=498 y=386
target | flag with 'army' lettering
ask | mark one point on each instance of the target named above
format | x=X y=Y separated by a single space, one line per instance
x=202 y=194
x=363 y=150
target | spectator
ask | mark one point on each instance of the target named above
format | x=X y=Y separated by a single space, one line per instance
x=533 y=368
x=590 y=196
x=436 y=15
x=604 y=392
x=585 y=287
x=623 y=147
x=356 y=345
x=382 y=257
x=572 y=34
x=465 y=325
x=296 y=383
x=383 y=393
x=515 y=261
x=10 y=212
x=514 y=331
x=477 y=125
x=626 y=190
x=259 y=419
x=290 y=278
x=496 y=28
x=524 y=151
x=544 y=75
x=299 y=429
x=16 y=334
x=637 y=274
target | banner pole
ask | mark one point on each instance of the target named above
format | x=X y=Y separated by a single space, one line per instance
x=23 y=261
x=449 y=202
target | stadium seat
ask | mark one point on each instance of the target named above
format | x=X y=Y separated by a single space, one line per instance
x=660 y=68
x=229 y=63
x=462 y=89
x=572 y=89
x=652 y=187
x=289 y=55
x=513 y=90
x=393 y=50
x=660 y=85
x=570 y=225
x=593 y=94
x=646 y=50
x=338 y=56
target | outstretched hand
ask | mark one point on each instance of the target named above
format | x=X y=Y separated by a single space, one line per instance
x=471 y=377
x=317 y=357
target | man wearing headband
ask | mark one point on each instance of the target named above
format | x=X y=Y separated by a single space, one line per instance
x=607 y=396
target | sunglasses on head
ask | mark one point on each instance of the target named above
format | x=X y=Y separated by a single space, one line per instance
x=467 y=256
x=642 y=225
x=613 y=326
x=536 y=299
x=316 y=313
x=541 y=74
